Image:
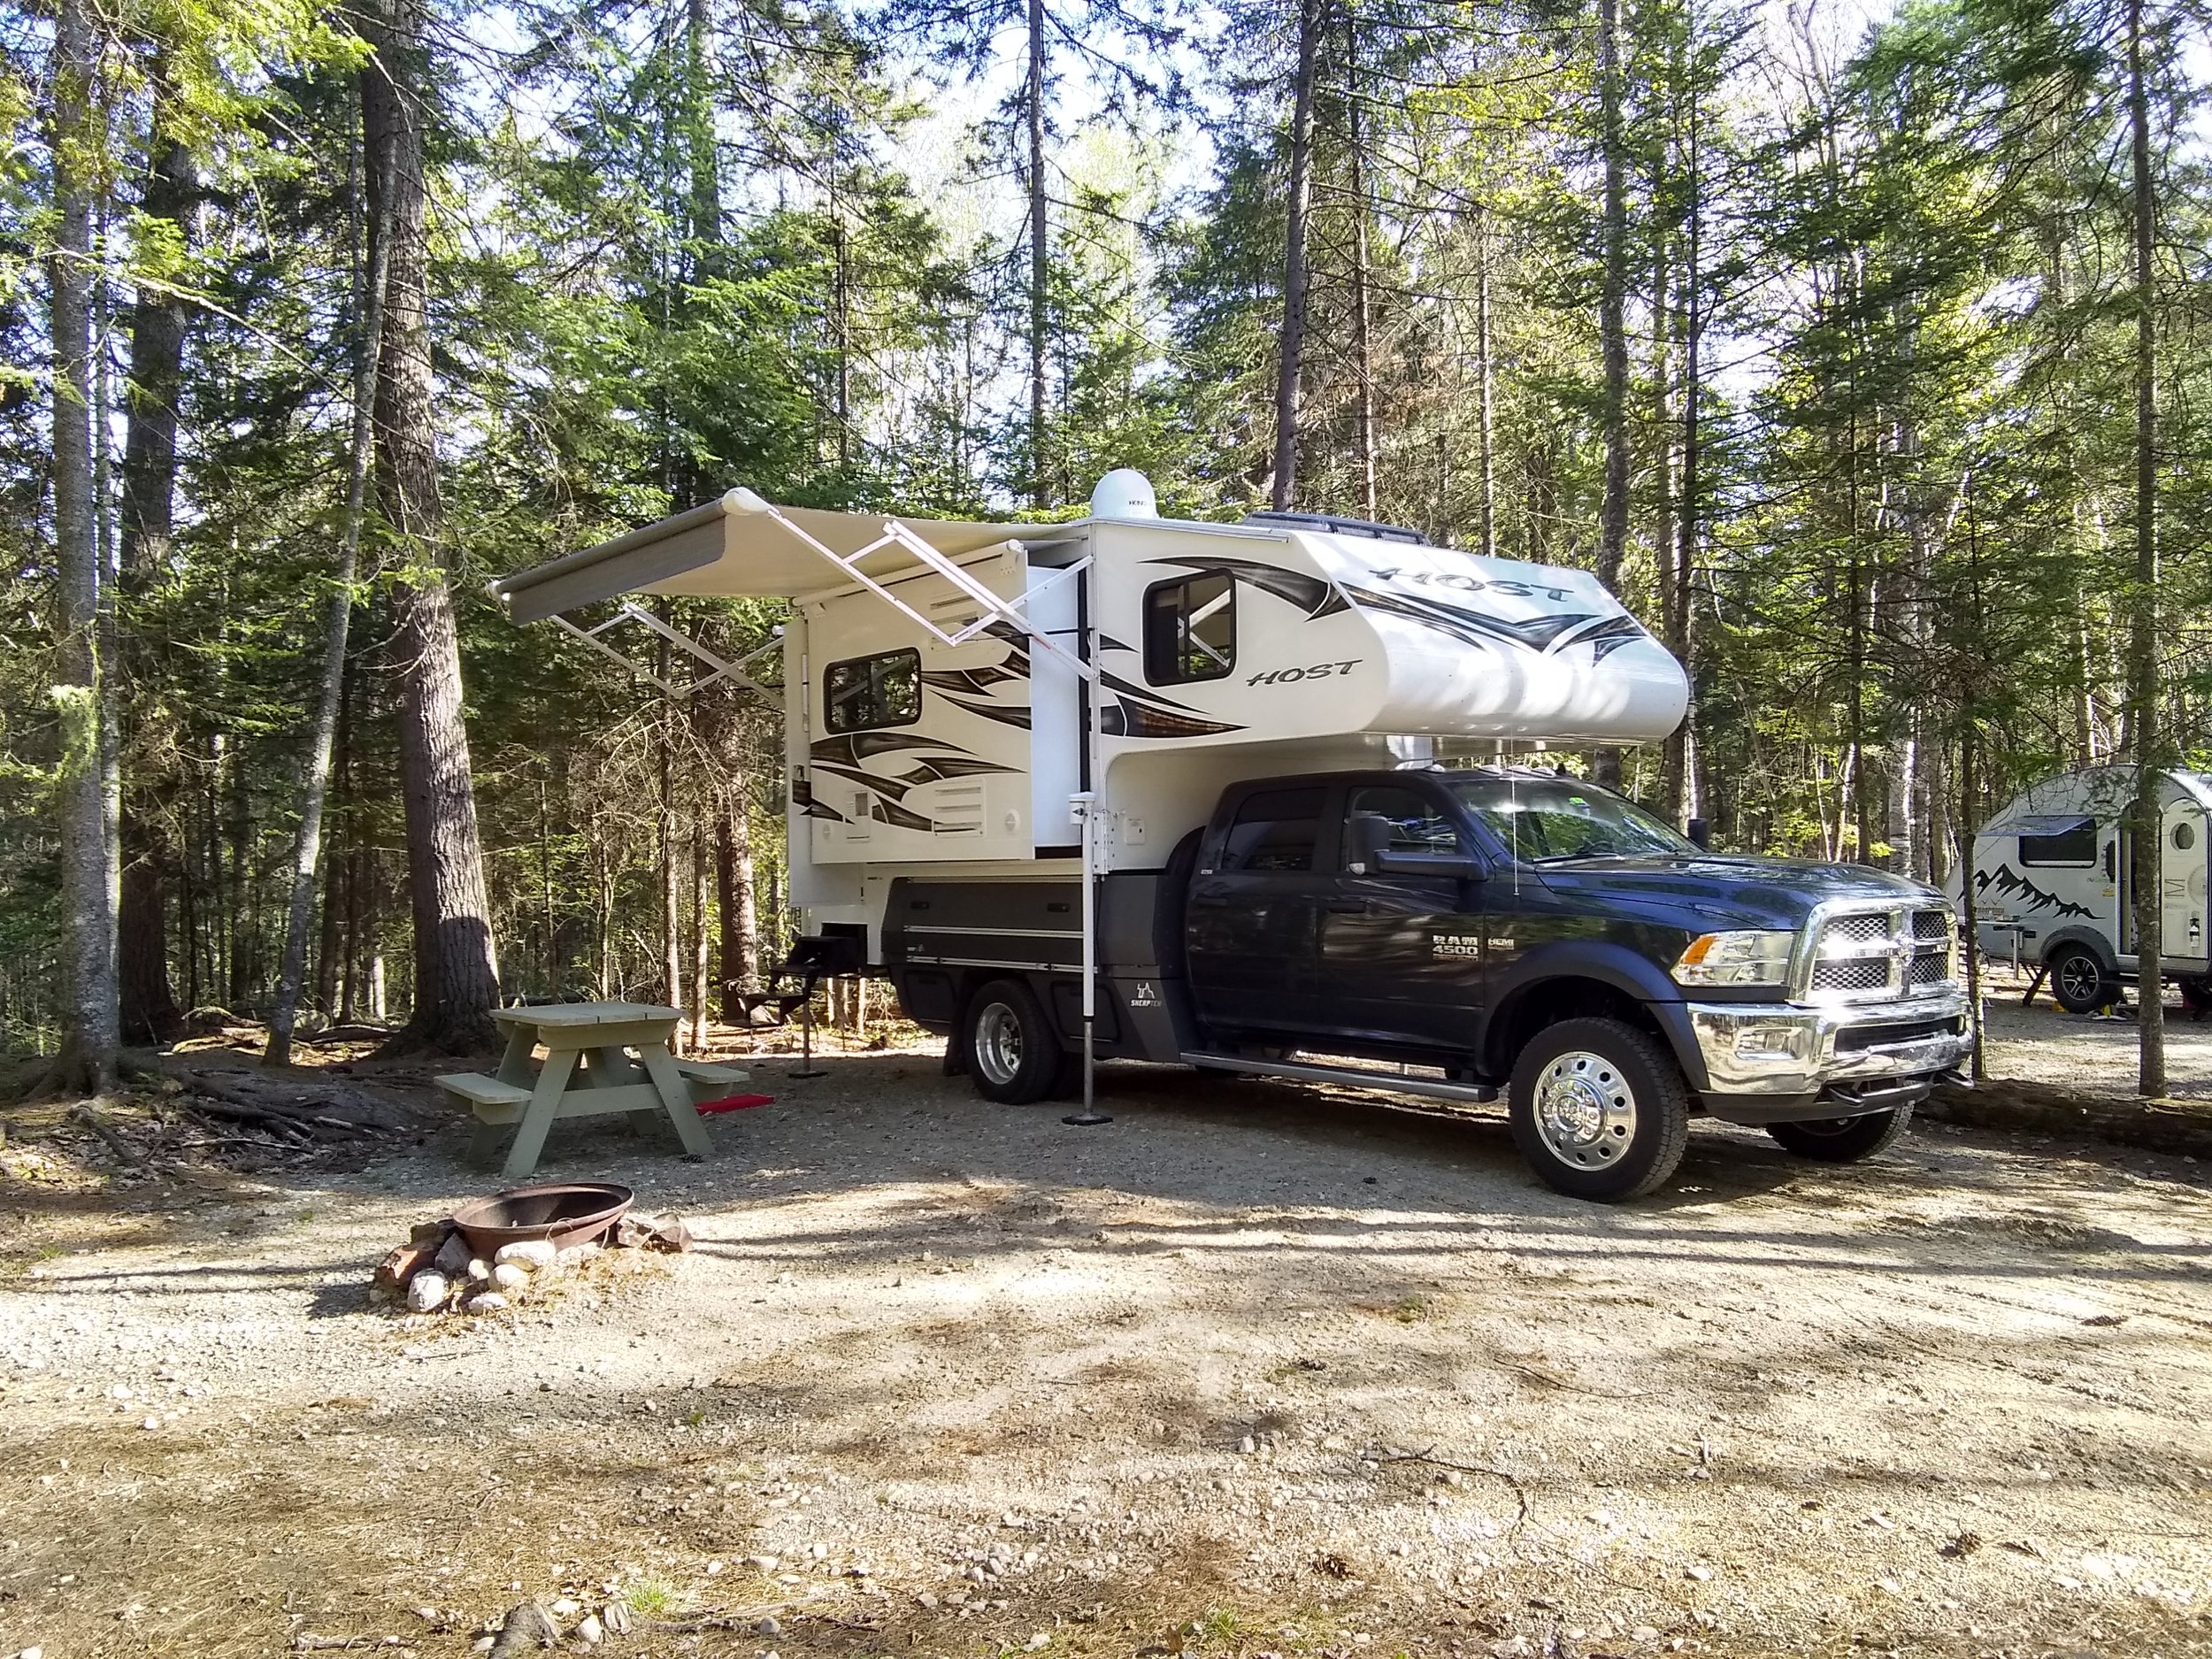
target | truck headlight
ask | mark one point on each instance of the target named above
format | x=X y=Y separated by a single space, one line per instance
x=1750 y=957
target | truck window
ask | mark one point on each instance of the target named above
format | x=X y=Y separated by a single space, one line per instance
x=1274 y=830
x=1190 y=629
x=863 y=693
x=2062 y=842
x=1418 y=824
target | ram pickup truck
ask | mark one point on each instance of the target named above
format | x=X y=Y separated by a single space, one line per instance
x=1473 y=932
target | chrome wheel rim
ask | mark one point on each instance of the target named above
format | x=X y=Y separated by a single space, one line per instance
x=998 y=1043
x=1585 y=1112
x=2078 y=978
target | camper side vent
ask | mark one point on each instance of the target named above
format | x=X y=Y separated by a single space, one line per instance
x=959 y=809
x=857 y=825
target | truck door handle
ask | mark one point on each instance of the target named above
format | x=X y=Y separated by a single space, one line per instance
x=1346 y=907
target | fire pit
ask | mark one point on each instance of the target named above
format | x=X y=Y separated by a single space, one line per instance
x=562 y=1213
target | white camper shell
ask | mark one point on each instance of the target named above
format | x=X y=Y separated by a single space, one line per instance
x=2053 y=874
x=970 y=694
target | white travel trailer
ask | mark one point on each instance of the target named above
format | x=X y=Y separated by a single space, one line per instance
x=2052 y=880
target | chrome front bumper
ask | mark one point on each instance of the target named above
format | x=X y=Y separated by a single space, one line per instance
x=1769 y=1048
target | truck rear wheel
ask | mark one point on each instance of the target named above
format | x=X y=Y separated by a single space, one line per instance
x=1599 y=1109
x=1843 y=1139
x=1011 y=1053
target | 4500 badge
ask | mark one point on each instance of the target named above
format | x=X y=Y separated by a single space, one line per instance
x=1292 y=676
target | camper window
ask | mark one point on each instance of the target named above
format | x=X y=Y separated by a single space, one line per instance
x=863 y=693
x=2063 y=842
x=1190 y=629
x=1275 y=830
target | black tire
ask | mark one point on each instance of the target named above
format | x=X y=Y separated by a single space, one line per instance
x=1843 y=1139
x=1009 y=1050
x=2081 y=982
x=1633 y=1122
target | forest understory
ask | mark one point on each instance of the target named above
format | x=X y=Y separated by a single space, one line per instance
x=1257 y=1369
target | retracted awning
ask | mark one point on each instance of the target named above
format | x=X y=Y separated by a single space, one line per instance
x=737 y=545
x=2039 y=824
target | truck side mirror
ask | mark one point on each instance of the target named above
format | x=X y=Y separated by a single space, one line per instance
x=1370 y=834
x=1700 y=834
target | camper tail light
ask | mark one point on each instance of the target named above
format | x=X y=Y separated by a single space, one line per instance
x=1749 y=957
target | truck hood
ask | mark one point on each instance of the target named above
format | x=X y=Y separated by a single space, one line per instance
x=1707 y=891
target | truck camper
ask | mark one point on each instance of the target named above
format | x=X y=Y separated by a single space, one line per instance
x=1143 y=788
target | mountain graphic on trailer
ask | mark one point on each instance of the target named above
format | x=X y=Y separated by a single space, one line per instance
x=2009 y=883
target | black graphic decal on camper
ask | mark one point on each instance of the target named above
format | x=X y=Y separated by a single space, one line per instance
x=1126 y=716
x=884 y=812
x=975 y=681
x=1310 y=594
x=1472 y=627
x=991 y=711
x=2010 y=883
x=863 y=746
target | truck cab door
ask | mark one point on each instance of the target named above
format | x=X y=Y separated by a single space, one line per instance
x=1401 y=957
x=1250 y=927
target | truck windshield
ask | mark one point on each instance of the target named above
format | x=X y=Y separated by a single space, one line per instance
x=1544 y=819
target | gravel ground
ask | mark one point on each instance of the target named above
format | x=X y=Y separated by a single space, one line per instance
x=2080 y=1051
x=1257 y=1369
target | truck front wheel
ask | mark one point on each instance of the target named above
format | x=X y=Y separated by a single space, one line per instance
x=1012 y=1052
x=1843 y=1139
x=1600 y=1109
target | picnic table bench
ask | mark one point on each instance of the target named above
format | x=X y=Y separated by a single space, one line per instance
x=589 y=1071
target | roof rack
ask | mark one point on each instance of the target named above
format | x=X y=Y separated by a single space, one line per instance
x=1334 y=525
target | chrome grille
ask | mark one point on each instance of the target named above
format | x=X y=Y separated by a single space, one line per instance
x=1868 y=955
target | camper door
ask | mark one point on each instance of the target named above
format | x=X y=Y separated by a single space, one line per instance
x=2183 y=872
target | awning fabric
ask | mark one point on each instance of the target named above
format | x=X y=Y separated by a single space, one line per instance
x=725 y=549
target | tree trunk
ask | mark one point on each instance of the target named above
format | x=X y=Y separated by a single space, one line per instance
x=457 y=972
x=369 y=318
x=1613 y=331
x=1362 y=347
x=87 y=1062
x=1290 y=368
x=1487 y=385
x=2143 y=676
x=1039 y=466
x=149 y=1012
x=1680 y=610
x=741 y=919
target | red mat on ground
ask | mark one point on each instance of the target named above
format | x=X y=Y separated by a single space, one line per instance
x=734 y=1103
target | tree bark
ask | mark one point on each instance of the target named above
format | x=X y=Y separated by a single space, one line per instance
x=368 y=320
x=87 y=1062
x=1039 y=466
x=1613 y=330
x=1680 y=610
x=149 y=1011
x=2143 y=676
x=1363 y=346
x=1487 y=385
x=457 y=972
x=1290 y=368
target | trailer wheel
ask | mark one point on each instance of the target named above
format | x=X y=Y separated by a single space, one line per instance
x=1843 y=1139
x=1599 y=1109
x=2079 y=983
x=1012 y=1052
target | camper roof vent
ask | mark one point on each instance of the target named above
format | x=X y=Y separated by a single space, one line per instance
x=1333 y=526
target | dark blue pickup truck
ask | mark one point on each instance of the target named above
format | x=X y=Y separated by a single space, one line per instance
x=1455 y=934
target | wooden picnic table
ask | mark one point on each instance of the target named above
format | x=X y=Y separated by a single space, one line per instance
x=589 y=1071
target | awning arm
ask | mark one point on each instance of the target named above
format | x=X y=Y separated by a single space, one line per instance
x=994 y=608
x=629 y=611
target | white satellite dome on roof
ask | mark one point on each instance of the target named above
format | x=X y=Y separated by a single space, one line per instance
x=1124 y=493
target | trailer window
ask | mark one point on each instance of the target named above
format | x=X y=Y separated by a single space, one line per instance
x=1190 y=629
x=863 y=693
x=1274 y=830
x=2066 y=843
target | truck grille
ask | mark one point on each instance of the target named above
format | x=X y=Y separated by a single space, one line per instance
x=1869 y=956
